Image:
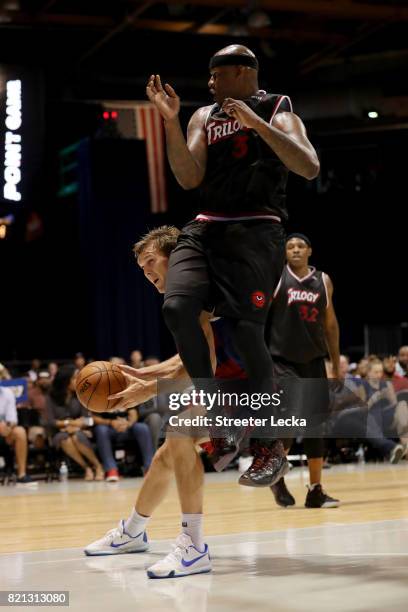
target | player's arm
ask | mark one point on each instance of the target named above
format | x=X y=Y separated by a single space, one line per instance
x=331 y=329
x=187 y=160
x=286 y=137
x=139 y=391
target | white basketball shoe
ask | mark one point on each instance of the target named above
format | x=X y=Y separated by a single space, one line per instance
x=117 y=541
x=184 y=560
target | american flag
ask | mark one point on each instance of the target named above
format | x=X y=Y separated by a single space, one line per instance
x=142 y=120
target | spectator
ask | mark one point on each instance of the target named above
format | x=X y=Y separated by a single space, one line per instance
x=35 y=368
x=52 y=369
x=4 y=373
x=79 y=361
x=153 y=414
x=13 y=435
x=344 y=363
x=150 y=361
x=67 y=420
x=37 y=400
x=362 y=368
x=136 y=359
x=121 y=427
x=382 y=402
x=402 y=363
x=117 y=360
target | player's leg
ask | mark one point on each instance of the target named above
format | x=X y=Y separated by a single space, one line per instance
x=281 y=493
x=190 y=554
x=130 y=535
x=187 y=295
x=316 y=496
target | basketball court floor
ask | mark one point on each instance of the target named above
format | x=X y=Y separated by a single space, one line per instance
x=347 y=559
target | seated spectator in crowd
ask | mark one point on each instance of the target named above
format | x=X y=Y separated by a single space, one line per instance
x=117 y=360
x=52 y=369
x=37 y=401
x=402 y=363
x=13 y=435
x=153 y=414
x=362 y=368
x=67 y=420
x=35 y=368
x=79 y=361
x=121 y=427
x=379 y=394
x=4 y=373
x=151 y=361
x=390 y=373
x=344 y=363
x=136 y=359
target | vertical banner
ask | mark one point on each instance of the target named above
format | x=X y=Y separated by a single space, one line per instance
x=21 y=134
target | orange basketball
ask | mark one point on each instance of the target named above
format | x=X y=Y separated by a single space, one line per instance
x=96 y=381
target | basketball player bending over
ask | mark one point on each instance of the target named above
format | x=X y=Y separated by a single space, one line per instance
x=178 y=454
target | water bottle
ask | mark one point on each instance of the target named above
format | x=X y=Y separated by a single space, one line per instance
x=63 y=472
x=360 y=454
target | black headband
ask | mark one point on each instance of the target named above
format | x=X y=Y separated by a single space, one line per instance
x=301 y=236
x=233 y=59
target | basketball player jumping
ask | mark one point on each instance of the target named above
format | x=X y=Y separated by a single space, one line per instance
x=302 y=328
x=239 y=151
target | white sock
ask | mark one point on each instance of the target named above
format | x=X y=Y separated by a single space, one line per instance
x=313 y=485
x=192 y=525
x=136 y=523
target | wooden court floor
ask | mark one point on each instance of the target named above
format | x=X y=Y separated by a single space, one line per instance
x=69 y=515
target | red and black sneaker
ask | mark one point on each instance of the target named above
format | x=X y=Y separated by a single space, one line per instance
x=268 y=466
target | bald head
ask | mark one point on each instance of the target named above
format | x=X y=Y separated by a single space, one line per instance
x=234 y=73
x=235 y=50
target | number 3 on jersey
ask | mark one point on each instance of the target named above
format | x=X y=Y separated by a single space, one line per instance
x=240 y=146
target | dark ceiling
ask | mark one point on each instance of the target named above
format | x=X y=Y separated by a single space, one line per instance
x=106 y=48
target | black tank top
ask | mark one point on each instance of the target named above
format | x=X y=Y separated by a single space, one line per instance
x=243 y=174
x=295 y=325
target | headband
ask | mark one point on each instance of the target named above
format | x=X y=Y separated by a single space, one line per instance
x=233 y=59
x=301 y=236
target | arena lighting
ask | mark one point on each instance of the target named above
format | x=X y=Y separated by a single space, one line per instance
x=373 y=114
x=13 y=144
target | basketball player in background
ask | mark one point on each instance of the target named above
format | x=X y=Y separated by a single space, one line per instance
x=302 y=330
x=239 y=152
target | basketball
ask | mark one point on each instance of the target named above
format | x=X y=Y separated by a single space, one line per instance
x=96 y=381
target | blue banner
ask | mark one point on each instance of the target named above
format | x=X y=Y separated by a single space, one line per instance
x=19 y=387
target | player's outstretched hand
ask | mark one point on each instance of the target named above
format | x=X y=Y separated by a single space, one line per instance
x=136 y=392
x=164 y=98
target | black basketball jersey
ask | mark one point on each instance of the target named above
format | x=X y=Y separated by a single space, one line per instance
x=243 y=174
x=295 y=324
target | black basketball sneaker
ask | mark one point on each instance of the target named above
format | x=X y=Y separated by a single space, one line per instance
x=317 y=498
x=282 y=496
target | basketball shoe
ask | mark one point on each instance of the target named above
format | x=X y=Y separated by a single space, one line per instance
x=185 y=559
x=282 y=495
x=268 y=466
x=317 y=498
x=117 y=541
